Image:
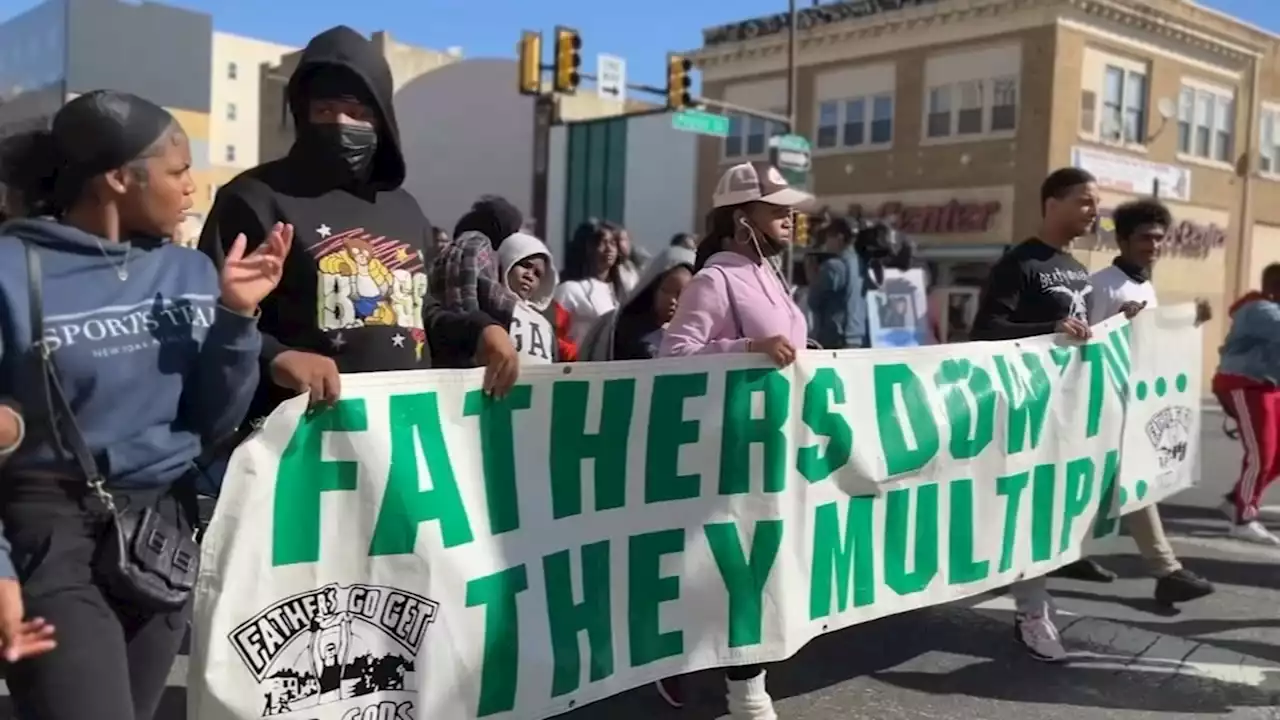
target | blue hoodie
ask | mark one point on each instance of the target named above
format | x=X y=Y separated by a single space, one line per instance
x=151 y=364
x=1252 y=347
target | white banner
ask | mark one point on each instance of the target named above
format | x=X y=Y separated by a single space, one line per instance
x=422 y=552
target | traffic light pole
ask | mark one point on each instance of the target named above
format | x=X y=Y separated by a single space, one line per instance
x=791 y=120
x=544 y=108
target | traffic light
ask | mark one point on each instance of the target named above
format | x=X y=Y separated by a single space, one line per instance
x=568 y=44
x=679 y=84
x=800 y=230
x=530 y=63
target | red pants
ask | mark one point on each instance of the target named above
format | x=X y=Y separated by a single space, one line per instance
x=1256 y=410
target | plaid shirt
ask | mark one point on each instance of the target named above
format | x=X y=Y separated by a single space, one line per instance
x=465 y=277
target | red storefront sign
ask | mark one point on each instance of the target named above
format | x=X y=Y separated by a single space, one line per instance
x=956 y=216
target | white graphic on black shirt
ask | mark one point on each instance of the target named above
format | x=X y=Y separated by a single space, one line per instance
x=1079 y=308
x=338 y=652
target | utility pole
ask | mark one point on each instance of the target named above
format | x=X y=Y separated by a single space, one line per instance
x=791 y=66
x=789 y=256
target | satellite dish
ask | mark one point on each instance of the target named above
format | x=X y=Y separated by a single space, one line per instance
x=1167 y=108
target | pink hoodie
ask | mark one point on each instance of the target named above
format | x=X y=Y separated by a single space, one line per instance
x=704 y=322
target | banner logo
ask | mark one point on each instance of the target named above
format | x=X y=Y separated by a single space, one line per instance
x=1169 y=432
x=336 y=643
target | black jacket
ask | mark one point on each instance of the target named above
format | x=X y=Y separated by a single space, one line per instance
x=355 y=283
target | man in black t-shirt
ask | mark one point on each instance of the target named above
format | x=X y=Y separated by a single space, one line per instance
x=1038 y=288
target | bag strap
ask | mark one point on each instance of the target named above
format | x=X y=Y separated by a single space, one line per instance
x=56 y=414
x=733 y=302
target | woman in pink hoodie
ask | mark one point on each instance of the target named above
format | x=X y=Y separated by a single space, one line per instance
x=738 y=303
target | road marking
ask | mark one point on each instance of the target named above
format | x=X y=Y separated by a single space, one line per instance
x=1144 y=651
x=1227 y=544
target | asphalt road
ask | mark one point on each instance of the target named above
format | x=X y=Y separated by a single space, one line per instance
x=1134 y=660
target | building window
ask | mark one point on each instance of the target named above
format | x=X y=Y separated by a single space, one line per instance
x=749 y=135
x=1206 y=124
x=1124 y=106
x=881 y=119
x=828 y=124
x=939 y=111
x=232 y=71
x=856 y=122
x=1004 y=104
x=969 y=114
x=231 y=111
x=973 y=107
x=1269 y=159
x=231 y=153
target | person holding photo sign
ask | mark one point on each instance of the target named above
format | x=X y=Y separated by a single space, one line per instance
x=737 y=303
x=1038 y=288
x=1125 y=287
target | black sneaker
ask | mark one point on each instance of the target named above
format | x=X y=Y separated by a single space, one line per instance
x=1181 y=586
x=672 y=691
x=1086 y=570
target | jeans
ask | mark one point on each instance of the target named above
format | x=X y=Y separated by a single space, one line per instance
x=112 y=662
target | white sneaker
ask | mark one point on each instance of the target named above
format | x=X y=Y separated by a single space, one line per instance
x=748 y=700
x=1254 y=532
x=1039 y=636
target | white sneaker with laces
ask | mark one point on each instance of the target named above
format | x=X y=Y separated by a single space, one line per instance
x=748 y=699
x=1039 y=636
x=1254 y=532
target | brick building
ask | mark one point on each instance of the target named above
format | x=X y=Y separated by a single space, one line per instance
x=946 y=114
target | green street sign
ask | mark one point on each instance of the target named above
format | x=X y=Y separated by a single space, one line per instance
x=792 y=156
x=703 y=123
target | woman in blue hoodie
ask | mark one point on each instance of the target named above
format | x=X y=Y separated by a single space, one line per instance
x=155 y=355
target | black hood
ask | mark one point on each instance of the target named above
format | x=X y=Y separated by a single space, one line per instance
x=343 y=47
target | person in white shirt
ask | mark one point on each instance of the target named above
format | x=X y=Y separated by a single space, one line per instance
x=1125 y=287
x=527 y=270
x=591 y=284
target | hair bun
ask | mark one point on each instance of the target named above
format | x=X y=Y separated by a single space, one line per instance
x=30 y=163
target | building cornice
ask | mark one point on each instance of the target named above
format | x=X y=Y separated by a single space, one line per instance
x=765 y=38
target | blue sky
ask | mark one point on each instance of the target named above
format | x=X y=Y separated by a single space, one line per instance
x=642 y=31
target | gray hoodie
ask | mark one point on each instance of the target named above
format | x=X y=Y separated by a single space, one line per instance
x=599 y=343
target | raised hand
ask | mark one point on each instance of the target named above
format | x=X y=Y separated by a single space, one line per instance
x=248 y=278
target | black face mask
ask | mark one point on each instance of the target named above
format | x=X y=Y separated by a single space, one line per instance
x=348 y=149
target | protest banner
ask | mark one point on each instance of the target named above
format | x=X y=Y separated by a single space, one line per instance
x=421 y=551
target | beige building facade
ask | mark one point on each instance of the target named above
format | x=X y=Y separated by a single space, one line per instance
x=946 y=116
x=236 y=94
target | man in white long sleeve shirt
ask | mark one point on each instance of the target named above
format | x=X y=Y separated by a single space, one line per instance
x=1140 y=228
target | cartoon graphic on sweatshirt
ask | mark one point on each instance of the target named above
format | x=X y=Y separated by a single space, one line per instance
x=367 y=280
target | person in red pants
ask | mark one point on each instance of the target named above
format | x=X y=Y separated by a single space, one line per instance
x=1248 y=386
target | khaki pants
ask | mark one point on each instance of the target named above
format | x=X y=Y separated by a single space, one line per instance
x=1148 y=532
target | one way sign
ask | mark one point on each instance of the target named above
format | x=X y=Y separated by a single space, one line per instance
x=611 y=77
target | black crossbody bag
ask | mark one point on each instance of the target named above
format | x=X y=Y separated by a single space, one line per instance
x=144 y=560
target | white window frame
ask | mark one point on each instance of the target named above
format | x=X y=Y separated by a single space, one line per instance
x=957 y=93
x=1124 y=106
x=233 y=71
x=1211 y=109
x=842 y=107
x=744 y=127
x=232 y=111
x=229 y=153
x=1269 y=141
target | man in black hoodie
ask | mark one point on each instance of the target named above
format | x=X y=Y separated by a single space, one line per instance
x=354 y=293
